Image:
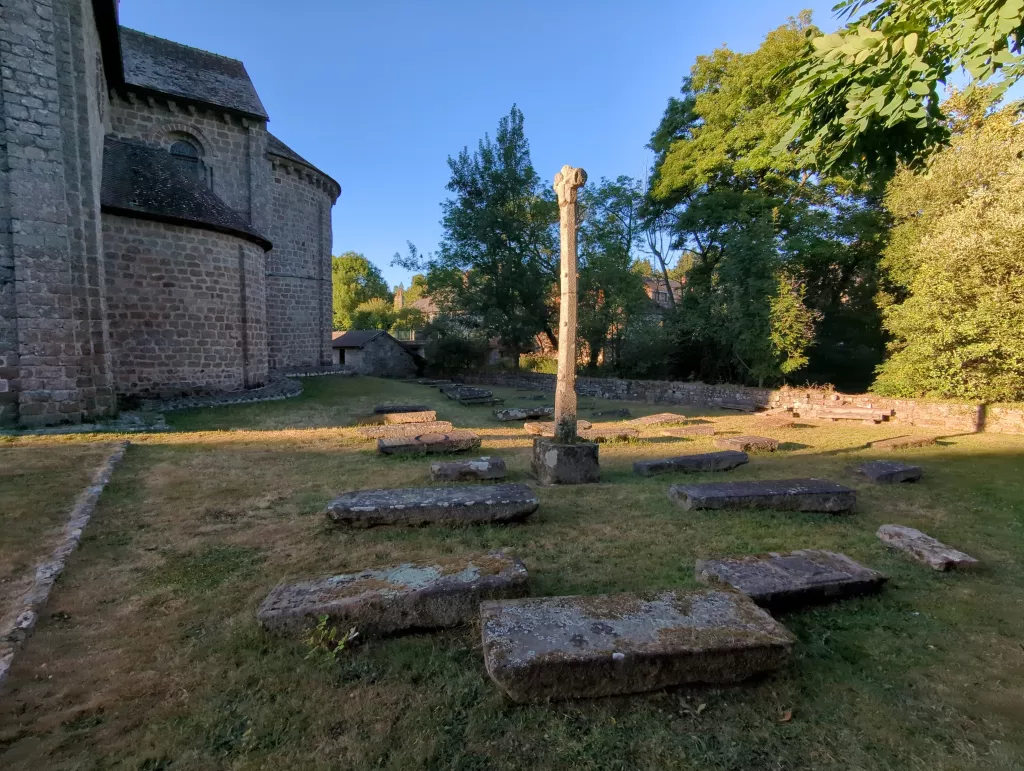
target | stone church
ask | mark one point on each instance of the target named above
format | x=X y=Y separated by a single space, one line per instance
x=155 y=238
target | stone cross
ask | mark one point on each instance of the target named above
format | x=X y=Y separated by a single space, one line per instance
x=567 y=182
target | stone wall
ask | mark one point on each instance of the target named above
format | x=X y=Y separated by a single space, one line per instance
x=383 y=356
x=952 y=417
x=299 y=266
x=187 y=308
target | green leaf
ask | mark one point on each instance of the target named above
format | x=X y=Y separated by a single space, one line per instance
x=919 y=88
x=910 y=43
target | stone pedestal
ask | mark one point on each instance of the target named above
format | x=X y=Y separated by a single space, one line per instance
x=556 y=463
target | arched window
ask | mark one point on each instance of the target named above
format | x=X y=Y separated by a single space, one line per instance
x=189 y=158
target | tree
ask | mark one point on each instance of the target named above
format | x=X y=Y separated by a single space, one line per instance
x=356 y=280
x=955 y=258
x=867 y=97
x=417 y=289
x=493 y=269
x=377 y=313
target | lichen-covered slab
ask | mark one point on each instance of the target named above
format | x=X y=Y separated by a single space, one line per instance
x=406 y=429
x=661 y=419
x=904 y=442
x=700 y=429
x=398 y=418
x=552 y=648
x=548 y=428
x=383 y=601
x=887 y=472
x=554 y=463
x=787 y=581
x=468 y=470
x=430 y=442
x=434 y=505
x=607 y=433
x=388 y=409
x=924 y=548
x=709 y=461
x=781 y=494
x=523 y=413
x=748 y=443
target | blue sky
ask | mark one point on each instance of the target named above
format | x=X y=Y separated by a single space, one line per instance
x=379 y=94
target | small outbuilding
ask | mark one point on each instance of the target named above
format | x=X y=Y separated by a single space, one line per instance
x=373 y=352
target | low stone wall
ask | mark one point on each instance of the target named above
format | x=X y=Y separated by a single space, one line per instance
x=951 y=417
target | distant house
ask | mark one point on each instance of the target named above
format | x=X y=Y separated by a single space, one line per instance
x=659 y=292
x=373 y=352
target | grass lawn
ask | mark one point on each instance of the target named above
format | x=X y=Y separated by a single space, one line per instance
x=151 y=659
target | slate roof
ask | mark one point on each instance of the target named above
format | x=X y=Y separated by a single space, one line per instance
x=276 y=147
x=357 y=338
x=148 y=183
x=172 y=68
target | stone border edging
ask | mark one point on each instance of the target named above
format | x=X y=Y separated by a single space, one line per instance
x=285 y=388
x=49 y=570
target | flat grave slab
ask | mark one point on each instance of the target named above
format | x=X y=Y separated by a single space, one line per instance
x=388 y=409
x=863 y=414
x=623 y=413
x=523 y=413
x=551 y=648
x=737 y=406
x=748 y=443
x=430 y=442
x=701 y=429
x=468 y=470
x=661 y=419
x=405 y=429
x=924 y=548
x=548 y=428
x=709 y=461
x=601 y=434
x=904 y=442
x=400 y=598
x=787 y=581
x=471 y=504
x=398 y=418
x=780 y=494
x=887 y=472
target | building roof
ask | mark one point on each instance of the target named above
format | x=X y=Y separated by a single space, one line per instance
x=276 y=147
x=148 y=183
x=356 y=338
x=172 y=68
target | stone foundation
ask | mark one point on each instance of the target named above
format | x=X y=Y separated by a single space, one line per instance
x=565 y=464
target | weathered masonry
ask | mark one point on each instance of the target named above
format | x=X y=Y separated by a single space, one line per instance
x=155 y=238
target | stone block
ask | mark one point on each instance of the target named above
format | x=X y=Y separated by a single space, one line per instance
x=793 y=580
x=429 y=443
x=472 y=504
x=468 y=470
x=407 y=429
x=701 y=429
x=661 y=419
x=551 y=648
x=903 y=442
x=554 y=463
x=924 y=548
x=399 y=418
x=710 y=461
x=384 y=601
x=389 y=409
x=607 y=433
x=523 y=413
x=548 y=428
x=748 y=443
x=887 y=472
x=782 y=494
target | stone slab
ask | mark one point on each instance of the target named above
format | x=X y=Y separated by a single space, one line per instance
x=793 y=580
x=400 y=598
x=865 y=414
x=607 y=433
x=468 y=470
x=887 y=472
x=924 y=548
x=781 y=494
x=748 y=443
x=904 y=442
x=554 y=463
x=389 y=409
x=709 y=461
x=737 y=406
x=622 y=413
x=551 y=648
x=430 y=442
x=701 y=429
x=406 y=429
x=523 y=413
x=398 y=418
x=548 y=428
x=661 y=419
x=471 y=504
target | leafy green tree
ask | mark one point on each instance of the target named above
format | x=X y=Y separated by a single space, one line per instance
x=355 y=281
x=493 y=269
x=417 y=289
x=867 y=96
x=955 y=257
x=377 y=313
